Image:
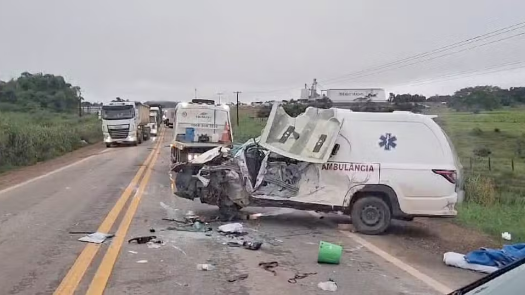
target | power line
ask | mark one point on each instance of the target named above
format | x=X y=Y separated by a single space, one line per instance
x=477 y=74
x=432 y=58
x=423 y=81
x=438 y=50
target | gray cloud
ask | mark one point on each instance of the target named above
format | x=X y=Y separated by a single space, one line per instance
x=164 y=49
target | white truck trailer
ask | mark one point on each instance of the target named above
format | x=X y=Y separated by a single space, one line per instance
x=125 y=122
x=199 y=126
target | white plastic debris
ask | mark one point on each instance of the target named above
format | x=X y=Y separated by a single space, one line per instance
x=97 y=238
x=133 y=252
x=506 y=236
x=154 y=245
x=231 y=228
x=458 y=260
x=142 y=261
x=205 y=267
x=328 y=286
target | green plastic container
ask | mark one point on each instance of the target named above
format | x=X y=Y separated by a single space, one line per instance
x=329 y=253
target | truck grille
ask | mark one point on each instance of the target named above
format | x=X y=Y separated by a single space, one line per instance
x=118 y=131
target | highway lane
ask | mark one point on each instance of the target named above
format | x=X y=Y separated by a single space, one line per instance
x=36 y=249
x=39 y=255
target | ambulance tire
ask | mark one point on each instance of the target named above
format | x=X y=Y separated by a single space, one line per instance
x=371 y=215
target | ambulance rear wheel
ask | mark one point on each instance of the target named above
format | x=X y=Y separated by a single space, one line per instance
x=371 y=215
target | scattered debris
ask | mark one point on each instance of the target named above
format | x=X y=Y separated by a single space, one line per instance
x=329 y=253
x=458 y=260
x=97 y=238
x=205 y=267
x=155 y=244
x=133 y=252
x=506 y=236
x=151 y=230
x=269 y=266
x=234 y=243
x=81 y=232
x=179 y=250
x=300 y=276
x=238 y=278
x=142 y=261
x=328 y=286
x=142 y=240
x=172 y=213
x=231 y=228
x=191 y=216
x=252 y=245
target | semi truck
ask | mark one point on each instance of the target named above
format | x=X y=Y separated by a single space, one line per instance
x=199 y=126
x=125 y=122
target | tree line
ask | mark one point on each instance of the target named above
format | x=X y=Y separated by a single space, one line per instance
x=39 y=91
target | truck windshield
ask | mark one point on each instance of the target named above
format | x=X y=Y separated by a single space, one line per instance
x=152 y=119
x=117 y=112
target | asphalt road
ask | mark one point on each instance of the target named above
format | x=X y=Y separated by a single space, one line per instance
x=116 y=191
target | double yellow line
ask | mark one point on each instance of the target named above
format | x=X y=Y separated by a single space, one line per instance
x=72 y=279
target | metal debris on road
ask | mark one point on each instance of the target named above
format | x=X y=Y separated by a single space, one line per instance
x=205 y=267
x=269 y=266
x=328 y=286
x=96 y=238
x=300 y=276
x=252 y=245
x=238 y=278
x=179 y=250
x=142 y=261
x=155 y=244
x=151 y=230
x=142 y=240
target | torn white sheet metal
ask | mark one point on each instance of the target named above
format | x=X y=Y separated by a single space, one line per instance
x=96 y=238
x=309 y=137
x=210 y=155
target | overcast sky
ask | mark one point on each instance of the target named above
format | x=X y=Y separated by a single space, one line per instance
x=162 y=50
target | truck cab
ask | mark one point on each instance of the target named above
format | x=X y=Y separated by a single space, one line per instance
x=199 y=126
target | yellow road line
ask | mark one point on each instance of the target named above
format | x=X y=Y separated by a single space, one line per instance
x=76 y=272
x=99 y=282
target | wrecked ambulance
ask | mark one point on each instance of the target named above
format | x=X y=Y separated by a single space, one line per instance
x=374 y=167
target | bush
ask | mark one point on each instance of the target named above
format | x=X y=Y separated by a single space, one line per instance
x=476 y=131
x=480 y=190
x=482 y=152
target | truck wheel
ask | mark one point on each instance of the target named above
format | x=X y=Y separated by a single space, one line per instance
x=108 y=145
x=139 y=138
x=134 y=143
x=371 y=215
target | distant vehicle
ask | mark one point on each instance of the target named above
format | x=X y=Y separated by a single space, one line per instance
x=374 y=167
x=153 y=124
x=169 y=117
x=158 y=114
x=125 y=122
x=199 y=127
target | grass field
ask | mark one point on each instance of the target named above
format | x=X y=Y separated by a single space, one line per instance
x=26 y=139
x=495 y=198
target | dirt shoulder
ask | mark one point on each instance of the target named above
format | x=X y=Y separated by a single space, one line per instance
x=20 y=175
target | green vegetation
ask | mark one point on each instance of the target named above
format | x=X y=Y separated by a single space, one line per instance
x=38 y=120
x=490 y=144
x=249 y=127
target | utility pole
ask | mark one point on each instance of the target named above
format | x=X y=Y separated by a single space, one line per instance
x=79 y=103
x=220 y=96
x=237 y=92
x=195 y=95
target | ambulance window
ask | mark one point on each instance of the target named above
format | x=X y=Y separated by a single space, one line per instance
x=335 y=149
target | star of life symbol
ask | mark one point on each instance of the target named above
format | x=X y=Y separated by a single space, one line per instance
x=387 y=141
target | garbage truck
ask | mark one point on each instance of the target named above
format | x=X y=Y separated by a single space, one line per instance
x=125 y=122
x=199 y=126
